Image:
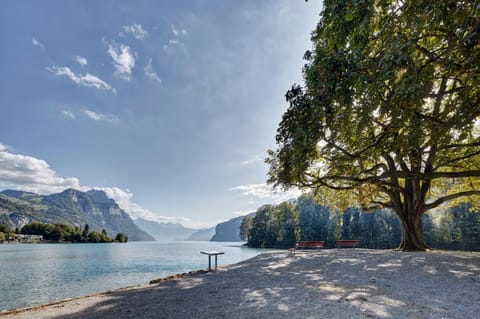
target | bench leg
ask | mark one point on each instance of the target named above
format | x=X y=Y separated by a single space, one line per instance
x=209 y=263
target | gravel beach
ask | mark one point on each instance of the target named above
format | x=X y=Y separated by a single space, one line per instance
x=333 y=283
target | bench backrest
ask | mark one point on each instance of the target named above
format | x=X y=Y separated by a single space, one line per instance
x=311 y=244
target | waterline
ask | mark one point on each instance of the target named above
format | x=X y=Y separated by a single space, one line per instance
x=35 y=274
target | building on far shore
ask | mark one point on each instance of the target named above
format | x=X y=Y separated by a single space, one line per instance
x=27 y=238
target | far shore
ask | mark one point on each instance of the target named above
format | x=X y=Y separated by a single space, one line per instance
x=333 y=283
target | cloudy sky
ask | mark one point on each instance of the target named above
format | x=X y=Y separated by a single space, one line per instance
x=168 y=106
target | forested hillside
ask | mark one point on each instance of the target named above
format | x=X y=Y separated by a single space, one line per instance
x=283 y=225
x=70 y=207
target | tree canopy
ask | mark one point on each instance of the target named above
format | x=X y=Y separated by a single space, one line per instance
x=453 y=228
x=68 y=233
x=389 y=113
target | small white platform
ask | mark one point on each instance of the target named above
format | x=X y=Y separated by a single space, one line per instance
x=211 y=253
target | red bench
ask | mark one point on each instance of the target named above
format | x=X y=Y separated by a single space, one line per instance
x=307 y=244
x=347 y=243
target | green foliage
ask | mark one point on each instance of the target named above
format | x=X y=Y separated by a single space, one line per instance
x=68 y=207
x=96 y=237
x=5 y=233
x=389 y=113
x=85 y=232
x=68 y=233
x=456 y=228
x=284 y=225
x=257 y=236
x=121 y=238
x=4 y=228
x=245 y=227
x=313 y=219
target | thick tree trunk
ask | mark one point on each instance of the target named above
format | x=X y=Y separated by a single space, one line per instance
x=412 y=232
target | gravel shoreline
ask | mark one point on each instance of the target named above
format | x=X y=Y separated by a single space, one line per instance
x=333 y=283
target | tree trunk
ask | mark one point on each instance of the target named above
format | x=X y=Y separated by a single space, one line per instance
x=412 y=232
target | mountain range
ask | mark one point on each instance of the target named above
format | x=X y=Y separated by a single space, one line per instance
x=165 y=231
x=18 y=208
x=174 y=231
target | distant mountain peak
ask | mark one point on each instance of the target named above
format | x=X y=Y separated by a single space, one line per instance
x=70 y=191
x=100 y=196
x=16 y=193
x=164 y=231
x=72 y=207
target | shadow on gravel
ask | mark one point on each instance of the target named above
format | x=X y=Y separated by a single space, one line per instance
x=345 y=283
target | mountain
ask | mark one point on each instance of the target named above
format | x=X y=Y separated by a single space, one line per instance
x=229 y=230
x=72 y=207
x=165 y=231
x=202 y=234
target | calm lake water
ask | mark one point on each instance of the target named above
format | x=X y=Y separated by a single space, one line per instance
x=32 y=274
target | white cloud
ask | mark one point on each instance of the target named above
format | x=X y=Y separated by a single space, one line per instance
x=172 y=43
x=136 y=30
x=31 y=174
x=80 y=60
x=37 y=43
x=150 y=72
x=123 y=60
x=252 y=160
x=68 y=113
x=176 y=32
x=175 y=41
x=124 y=200
x=265 y=192
x=87 y=80
x=101 y=117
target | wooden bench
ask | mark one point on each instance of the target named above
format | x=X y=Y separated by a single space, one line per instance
x=347 y=243
x=307 y=244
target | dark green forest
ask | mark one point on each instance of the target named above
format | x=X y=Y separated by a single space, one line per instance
x=63 y=233
x=281 y=226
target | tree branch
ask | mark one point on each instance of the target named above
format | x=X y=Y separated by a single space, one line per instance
x=445 y=199
x=429 y=176
x=458 y=159
x=463 y=145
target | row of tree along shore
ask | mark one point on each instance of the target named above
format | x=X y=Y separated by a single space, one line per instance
x=283 y=225
x=58 y=233
x=388 y=114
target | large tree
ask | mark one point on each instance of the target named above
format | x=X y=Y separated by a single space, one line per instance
x=389 y=112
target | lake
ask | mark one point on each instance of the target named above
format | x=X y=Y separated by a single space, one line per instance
x=33 y=274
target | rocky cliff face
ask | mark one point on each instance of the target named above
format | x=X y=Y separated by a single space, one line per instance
x=229 y=230
x=69 y=207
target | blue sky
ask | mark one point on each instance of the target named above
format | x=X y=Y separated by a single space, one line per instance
x=169 y=106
